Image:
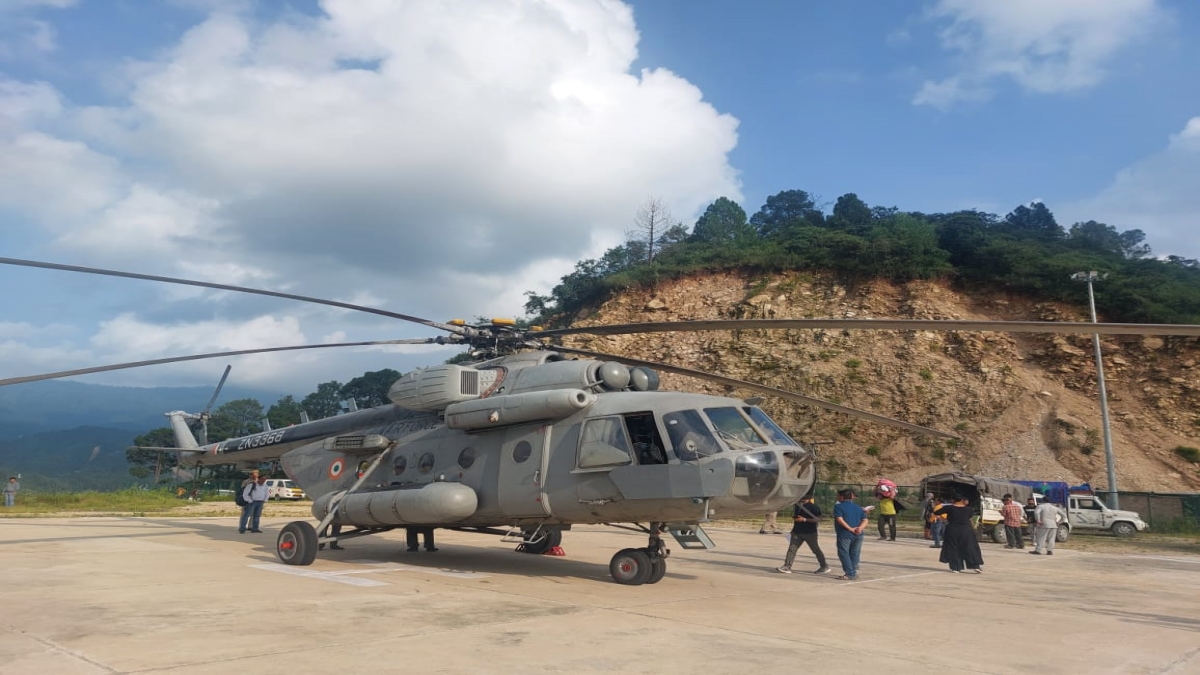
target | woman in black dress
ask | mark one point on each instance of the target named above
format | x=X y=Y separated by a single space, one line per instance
x=960 y=546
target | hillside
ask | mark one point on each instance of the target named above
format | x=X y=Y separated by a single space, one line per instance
x=86 y=458
x=1025 y=406
x=55 y=405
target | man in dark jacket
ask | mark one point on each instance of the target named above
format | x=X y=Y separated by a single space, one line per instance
x=805 y=518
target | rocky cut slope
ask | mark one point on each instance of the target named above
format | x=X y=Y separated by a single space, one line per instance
x=1024 y=406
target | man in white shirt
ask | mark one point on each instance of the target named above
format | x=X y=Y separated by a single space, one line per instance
x=255 y=495
x=1047 y=528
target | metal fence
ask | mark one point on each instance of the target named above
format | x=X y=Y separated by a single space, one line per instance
x=1164 y=512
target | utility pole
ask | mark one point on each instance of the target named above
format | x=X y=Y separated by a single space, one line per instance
x=1089 y=277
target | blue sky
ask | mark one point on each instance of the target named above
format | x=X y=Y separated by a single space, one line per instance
x=441 y=158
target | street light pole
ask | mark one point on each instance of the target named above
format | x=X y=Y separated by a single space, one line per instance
x=1089 y=277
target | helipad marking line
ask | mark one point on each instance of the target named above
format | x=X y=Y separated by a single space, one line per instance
x=401 y=567
x=339 y=577
x=345 y=576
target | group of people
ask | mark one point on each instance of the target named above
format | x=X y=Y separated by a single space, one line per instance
x=850 y=520
x=948 y=522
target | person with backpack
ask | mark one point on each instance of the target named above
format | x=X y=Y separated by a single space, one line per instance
x=254 y=495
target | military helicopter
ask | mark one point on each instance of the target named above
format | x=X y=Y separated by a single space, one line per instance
x=535 y=437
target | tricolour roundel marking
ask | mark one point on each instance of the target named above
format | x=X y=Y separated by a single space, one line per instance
x=335 y=469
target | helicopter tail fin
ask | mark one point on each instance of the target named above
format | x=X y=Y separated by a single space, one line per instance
x=184 y=440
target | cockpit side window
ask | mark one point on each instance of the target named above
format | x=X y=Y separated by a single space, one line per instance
x=734 y=429
x=768 y=426
x=689 y=435
x=604 y=443
x=648 y=444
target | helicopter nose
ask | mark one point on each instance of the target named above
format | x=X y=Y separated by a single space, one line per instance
x=755 y=476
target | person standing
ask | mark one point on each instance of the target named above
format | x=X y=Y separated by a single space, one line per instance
x=1046 y=517
x=927 y=514
x=255 y=495
x=411 y=536
x=937 y=525
x=1030 y=518
x=771 y=523
x=887 y=519
x=251 y=480
x=806 y=516
x=1012 y=513
x=849 y=521
x=11 y=488
x=961 y=547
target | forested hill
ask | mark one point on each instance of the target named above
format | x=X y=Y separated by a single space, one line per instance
x=1026 y=251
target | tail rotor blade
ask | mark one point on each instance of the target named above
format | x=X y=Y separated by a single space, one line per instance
x=217 y=392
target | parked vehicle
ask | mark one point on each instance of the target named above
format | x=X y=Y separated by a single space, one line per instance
x=1085 y=510
x=985 y=494
x=282 y=488
x=1088 y=512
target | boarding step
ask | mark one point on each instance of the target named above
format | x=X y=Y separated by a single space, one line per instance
x=692 y=537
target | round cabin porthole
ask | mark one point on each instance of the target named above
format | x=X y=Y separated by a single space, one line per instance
x=522 y=452
x=399 y=465
x=466 y=458
x=425 y=464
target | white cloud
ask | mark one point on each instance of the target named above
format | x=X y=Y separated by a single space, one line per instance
x=22 y=36
x=22 y=103
x=1044 y=47
x=437 y=156
x=1157 y=195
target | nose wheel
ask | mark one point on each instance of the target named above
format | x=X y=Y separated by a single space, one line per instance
x=637 y=566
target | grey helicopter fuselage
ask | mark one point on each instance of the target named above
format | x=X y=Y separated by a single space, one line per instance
x=535 y=439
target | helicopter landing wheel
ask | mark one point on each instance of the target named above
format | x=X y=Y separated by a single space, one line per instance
x=297 y=544
x=658 y=569
x=550 y=539
x=631 y=567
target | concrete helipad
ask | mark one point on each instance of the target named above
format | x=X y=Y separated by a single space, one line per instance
x=166 y=595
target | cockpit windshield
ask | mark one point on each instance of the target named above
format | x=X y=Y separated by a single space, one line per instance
x=689 y=435
x=772 y=430
x=734 y=429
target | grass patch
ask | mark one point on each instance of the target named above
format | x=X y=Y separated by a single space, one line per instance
x=873 y=450
x=1189 y=453
x=926 y=374
x=131 y=500
x=853 y=363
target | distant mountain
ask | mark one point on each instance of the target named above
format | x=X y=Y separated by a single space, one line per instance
x=57 y=405
x=85 y=458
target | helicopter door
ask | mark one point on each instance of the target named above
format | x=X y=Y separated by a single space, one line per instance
x=522 y=468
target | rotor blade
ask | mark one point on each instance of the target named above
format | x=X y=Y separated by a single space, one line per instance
x=217 y=392
x=762 y=389
x=883 y=324
x=197 y=357
x=225 y=287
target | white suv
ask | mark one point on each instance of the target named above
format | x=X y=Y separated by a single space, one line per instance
x=282 y=488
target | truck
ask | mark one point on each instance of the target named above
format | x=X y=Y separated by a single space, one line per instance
x=1086 y=511
x=985 y=494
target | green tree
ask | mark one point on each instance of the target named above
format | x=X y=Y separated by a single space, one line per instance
x=240 y=417
x=370 y=389
x=1033 y=222
x=851 y=214
x=722 y=221
x=285 y=412
x=785 y=211
x=326 y=401
x=147 y=463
